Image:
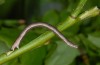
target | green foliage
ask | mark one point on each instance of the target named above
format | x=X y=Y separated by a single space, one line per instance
x=85 y=33
x=63 y=55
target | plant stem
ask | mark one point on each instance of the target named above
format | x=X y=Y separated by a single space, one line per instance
x=79 y=8
x=90 y=13
x=46 y=36
x=70 y=21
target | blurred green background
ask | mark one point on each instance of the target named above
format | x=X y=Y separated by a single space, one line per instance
x=15 y=15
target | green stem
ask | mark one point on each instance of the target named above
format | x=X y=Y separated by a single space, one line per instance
x=70 y=21
x=79 y=8
x=90 y=13
x=44 y=37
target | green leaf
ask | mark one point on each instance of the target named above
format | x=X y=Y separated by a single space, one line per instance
x=10 y=22
x=2 y=2
x=95 y=40
x=51 y=17
x=63 y=55
x=8 y=35
x=98 y=64
x=34 y=56
x=3 y=47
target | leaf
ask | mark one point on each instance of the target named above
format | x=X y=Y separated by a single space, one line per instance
x=8 y=35
x=33 y=57
x=10 y=22
x=63 y=55
x=51 y=17
x=95 y=40
x=98 y=64
x=2 y=2
x=3 y=47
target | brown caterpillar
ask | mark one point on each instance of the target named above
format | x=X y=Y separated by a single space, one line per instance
x=40 y=24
